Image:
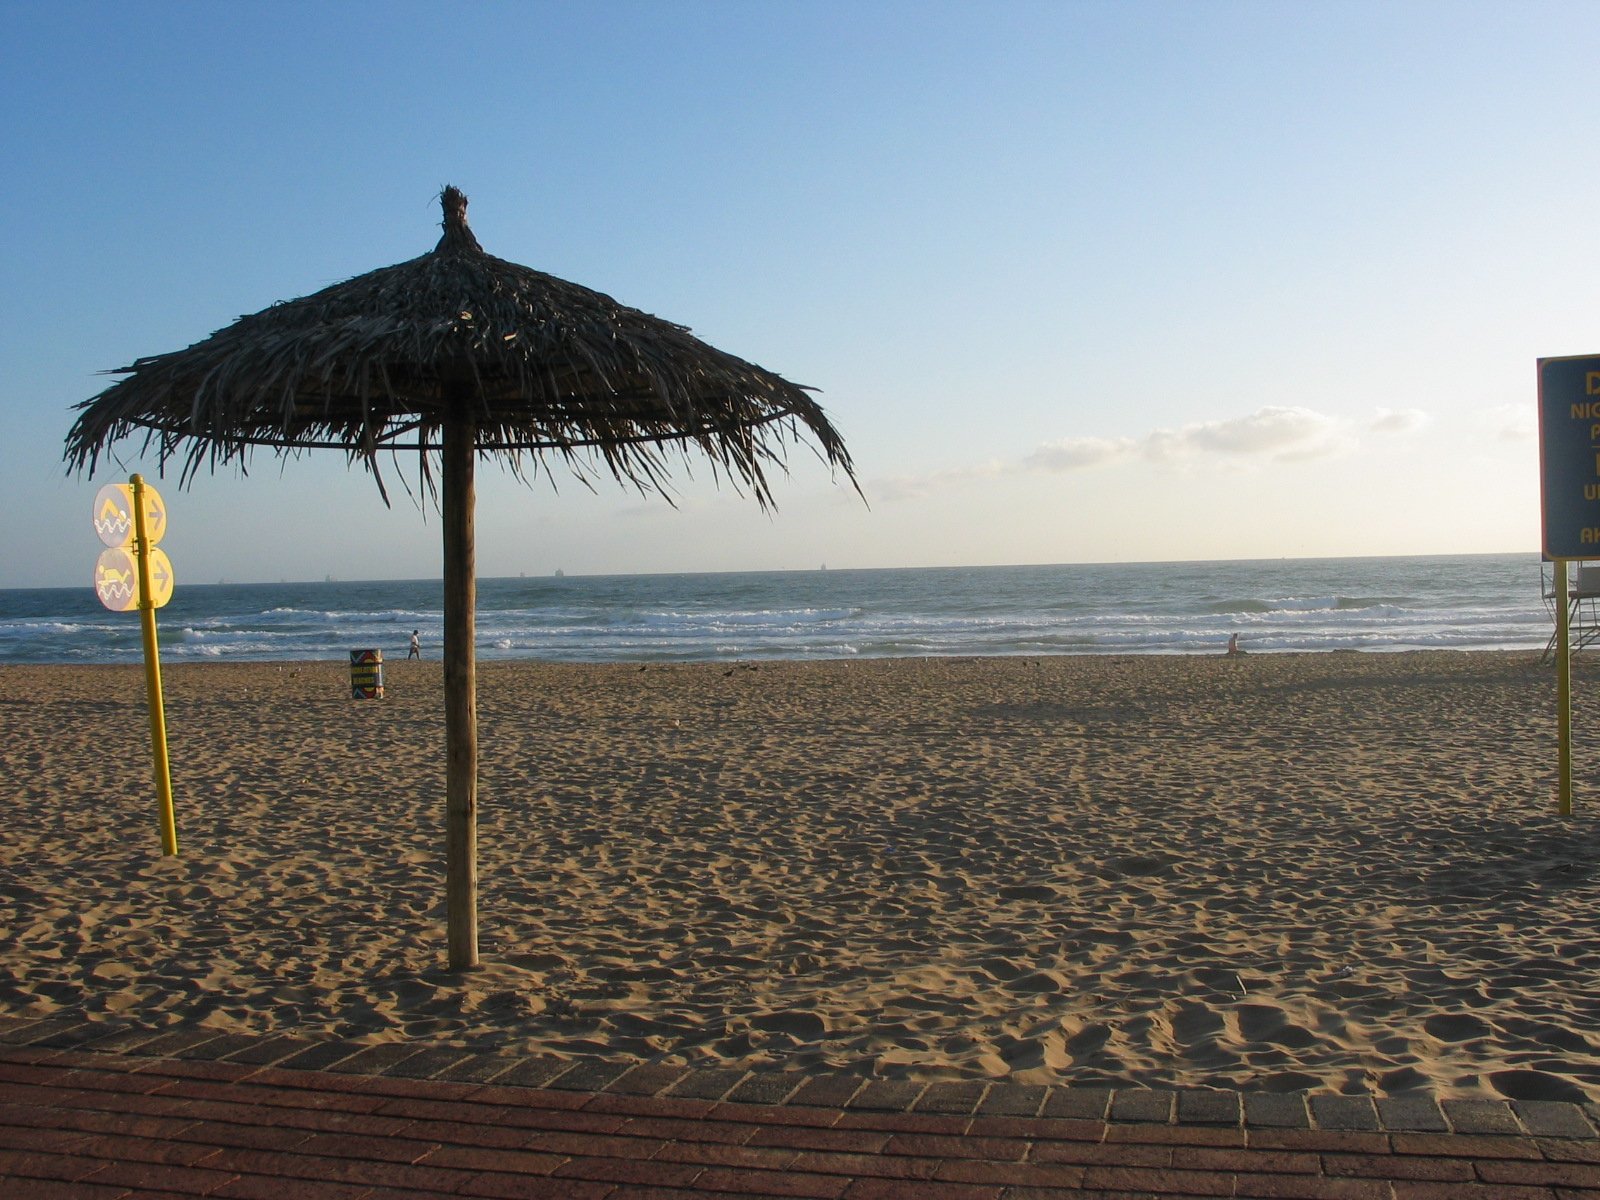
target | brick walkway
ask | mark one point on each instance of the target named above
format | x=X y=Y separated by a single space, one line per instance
x=96 y=1111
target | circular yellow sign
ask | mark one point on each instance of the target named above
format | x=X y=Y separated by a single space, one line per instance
x=116 y=579
x=113 y=514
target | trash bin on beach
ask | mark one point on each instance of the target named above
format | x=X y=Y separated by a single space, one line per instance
x=366 y=674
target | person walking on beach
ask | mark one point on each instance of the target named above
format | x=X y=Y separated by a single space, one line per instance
x=416 y=647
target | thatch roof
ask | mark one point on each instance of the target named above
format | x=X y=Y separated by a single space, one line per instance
x=376 y=363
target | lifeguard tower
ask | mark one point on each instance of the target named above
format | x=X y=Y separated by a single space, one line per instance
x=1583 y=606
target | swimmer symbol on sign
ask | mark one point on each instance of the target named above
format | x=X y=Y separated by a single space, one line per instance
x=116 y=580
x=113 y=514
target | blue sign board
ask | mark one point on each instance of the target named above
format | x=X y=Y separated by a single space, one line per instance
x=1569 y=455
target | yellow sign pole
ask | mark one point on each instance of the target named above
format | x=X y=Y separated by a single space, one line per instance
x=152 y=671
x=1563 y=691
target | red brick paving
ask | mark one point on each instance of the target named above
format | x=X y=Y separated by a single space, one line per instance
x=88 y=1125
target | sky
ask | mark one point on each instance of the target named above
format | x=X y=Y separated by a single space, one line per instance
x=1077 y=282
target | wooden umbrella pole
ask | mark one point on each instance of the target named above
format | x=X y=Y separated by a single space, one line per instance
x=460 y=695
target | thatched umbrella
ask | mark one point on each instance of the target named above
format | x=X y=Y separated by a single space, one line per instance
x=458 y=352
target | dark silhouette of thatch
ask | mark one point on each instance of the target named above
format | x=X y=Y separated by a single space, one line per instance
x=376 y=363
x=458 y=352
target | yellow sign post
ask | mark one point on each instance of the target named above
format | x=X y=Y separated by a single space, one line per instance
x=132 y=515
x=1563 y=693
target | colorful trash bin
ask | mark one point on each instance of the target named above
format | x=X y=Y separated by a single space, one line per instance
x=366 y=674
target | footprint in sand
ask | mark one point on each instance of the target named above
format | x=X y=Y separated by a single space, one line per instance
x=1030 y=891
x=802 y=1026
x=1004 y=969
x=1195 y=1022
x=1535 y=1085
x=1561 y=1038
x=1036 y=983
x=1456 y=1027
x=1220 y=979
x=1140 y=864
x=1088 y=1041
x=1258 y=1022
x=1263 y=1023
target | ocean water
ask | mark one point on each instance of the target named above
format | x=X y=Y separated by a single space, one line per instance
x=1371 y=604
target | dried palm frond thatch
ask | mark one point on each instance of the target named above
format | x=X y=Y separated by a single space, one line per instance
x=381 y=362
x=458 y=352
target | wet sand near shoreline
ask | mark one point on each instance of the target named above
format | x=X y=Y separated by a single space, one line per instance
x=1336 y=872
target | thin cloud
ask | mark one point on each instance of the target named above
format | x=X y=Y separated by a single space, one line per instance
x=1281 y=434
x=1071 y=454
x=919 y=487
x=1273 y=433
x=1398 y=420
x=1511 y=422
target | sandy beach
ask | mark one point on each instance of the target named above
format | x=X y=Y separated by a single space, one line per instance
x=1334 y=872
